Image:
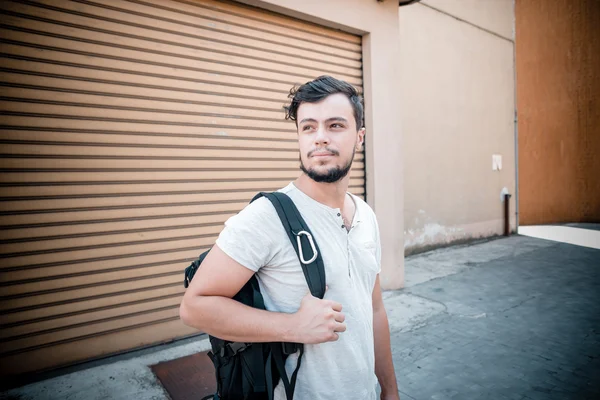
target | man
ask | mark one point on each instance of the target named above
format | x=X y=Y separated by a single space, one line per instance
x=346 y=334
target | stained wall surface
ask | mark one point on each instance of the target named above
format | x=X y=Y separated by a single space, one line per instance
x=457 y=111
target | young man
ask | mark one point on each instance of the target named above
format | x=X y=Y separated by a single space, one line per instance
x=346 y=334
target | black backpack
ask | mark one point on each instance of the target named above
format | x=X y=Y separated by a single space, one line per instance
x=251 y=371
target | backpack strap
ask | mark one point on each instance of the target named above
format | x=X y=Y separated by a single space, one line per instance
x=314 y=272
x=276 y=357
x=302 y=240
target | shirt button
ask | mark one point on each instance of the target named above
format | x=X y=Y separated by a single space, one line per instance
x=343 y=226
x=339 y=215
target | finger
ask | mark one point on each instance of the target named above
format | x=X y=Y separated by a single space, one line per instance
x=339 y=327
x=334 y=337
x=336 y=306
x=340 y=317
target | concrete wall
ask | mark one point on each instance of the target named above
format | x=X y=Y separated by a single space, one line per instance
x=495 y=16
x=457 y=107
x=378 y=23
x=558 y=86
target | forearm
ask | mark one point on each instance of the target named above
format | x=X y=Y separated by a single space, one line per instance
x=384 y=367
x=231 y=320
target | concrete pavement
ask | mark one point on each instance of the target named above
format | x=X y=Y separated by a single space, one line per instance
x=524 y=325
x=512 y=318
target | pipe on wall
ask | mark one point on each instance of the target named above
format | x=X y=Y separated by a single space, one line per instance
x=507 y=214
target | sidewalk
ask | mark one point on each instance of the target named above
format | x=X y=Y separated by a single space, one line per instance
x=513 y=318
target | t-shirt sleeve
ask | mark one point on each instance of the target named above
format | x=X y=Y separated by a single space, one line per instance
x=247 y=236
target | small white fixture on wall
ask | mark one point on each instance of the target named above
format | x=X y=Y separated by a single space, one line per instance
x=503 y=193
x=496 y=162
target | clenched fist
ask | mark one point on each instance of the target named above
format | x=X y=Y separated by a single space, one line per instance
x=318 y=321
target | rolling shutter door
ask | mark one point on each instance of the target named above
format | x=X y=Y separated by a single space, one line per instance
x=131 y=130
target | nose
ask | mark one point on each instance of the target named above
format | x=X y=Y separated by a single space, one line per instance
x=321 y=137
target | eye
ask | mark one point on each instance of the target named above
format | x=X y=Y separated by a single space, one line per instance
x=306 y=128
x=337 y=126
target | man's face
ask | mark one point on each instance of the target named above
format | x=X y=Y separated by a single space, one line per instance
x=328 y=138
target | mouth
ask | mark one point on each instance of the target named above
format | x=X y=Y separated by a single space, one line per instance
x=322 y=153
x=318 y=155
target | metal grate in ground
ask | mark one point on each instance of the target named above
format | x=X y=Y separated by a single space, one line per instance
x=187 y=378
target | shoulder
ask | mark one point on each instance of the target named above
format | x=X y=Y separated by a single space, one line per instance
x=257 y=222
x=258 y=212
x=290 y=189
x=251 y=237
x=364 y=209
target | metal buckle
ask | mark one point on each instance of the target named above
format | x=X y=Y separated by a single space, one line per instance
x=235 y=347
x=312 y=245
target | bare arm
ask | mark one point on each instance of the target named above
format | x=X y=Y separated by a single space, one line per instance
x=384 y=367
x=208 y=306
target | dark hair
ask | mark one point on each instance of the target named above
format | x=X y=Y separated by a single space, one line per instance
x=317 y=90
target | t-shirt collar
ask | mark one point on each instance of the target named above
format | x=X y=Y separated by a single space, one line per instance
x=331 y=210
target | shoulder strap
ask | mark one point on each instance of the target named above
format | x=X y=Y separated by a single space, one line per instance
x=314 y=271
x=302 y=240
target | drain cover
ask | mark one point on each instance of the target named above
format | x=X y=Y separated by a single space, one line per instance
x=187 y=378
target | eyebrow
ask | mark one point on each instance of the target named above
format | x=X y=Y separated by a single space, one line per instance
x=332 y=119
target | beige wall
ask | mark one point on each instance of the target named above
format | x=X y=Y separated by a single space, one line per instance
x=457 y=106
x=495 y=16
x=378 y=22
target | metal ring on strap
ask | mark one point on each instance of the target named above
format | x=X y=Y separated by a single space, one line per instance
x=312 y=245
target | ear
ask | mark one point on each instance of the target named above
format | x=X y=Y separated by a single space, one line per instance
x=360 y=139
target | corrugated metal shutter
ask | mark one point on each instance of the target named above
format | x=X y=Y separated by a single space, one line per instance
x=131 y=130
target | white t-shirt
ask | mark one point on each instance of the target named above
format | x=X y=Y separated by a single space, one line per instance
x=255 y=238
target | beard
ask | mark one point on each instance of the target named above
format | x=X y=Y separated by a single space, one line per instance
x=332 y=175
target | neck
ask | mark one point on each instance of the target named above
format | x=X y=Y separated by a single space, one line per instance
x=330 y=194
